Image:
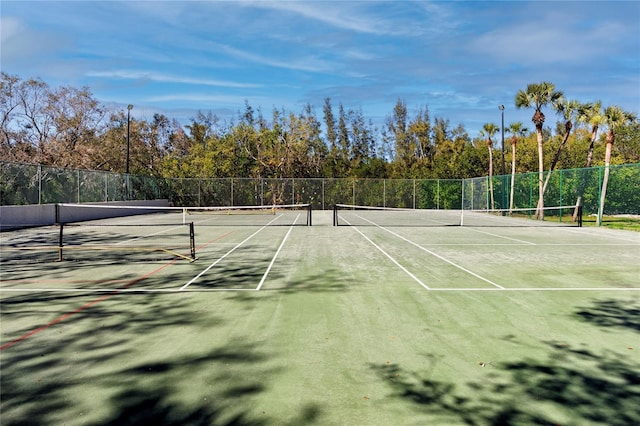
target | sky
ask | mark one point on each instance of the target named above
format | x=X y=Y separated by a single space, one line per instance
x=460 y=60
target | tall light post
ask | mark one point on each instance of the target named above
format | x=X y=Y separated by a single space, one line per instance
x=501 y=107
x=129 y=108
x=127 y=189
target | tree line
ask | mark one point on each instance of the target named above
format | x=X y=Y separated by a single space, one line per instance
x=68 y=127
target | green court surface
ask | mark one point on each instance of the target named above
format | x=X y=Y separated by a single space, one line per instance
x=320 y=325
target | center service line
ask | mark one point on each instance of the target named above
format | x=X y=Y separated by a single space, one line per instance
x=391 y=258
x=436 y=255
x=194 y=279
x=264 y=277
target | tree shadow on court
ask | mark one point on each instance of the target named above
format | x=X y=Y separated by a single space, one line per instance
x=96 y=359
x=586 y=387
x=613 y=313
x=147 y=396
x=144 y=393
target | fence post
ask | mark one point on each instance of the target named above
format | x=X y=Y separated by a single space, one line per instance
x=530 y=189
x=353 y=189
x=40 y=184
x=199 y=192
x=600 y=212
x=384 y=193
x=414 y=193
x=488 y=203
x=560 y=185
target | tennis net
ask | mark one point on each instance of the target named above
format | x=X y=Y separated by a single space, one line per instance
x=115 y=233
x=99 y=243
x=352 y=215
x=267 y=215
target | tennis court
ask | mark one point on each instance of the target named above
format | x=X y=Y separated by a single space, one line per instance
x=257 y=318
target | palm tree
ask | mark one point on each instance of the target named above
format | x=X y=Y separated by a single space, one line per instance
x=516 y=129
x=614 y=117
x=539 y=95
x=568 y=110
x=589 y=113
x=488 y=130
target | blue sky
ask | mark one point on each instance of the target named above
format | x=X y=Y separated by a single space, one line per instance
x=460 y=59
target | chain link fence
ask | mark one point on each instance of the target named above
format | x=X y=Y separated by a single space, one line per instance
x=23 y=184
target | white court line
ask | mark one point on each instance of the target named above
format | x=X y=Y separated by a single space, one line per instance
x=534 y=289
x=117 y=290
x=536 y=244
x=604 y=234
x=501 y=236
x=264 y=277
x=208 y=290
x=435 y=254
x=194 y=279
x=150 y=235
x=392 y=259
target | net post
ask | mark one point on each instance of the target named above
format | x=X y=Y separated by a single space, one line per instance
x=335 y=215
x=192 y=241
x=309 y=214
x=60 y=258
x=580 y=216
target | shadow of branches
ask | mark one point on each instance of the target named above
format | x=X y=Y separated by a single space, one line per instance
x=613 y=313
x=571 y=385
x=124 y=357
x=582 y=386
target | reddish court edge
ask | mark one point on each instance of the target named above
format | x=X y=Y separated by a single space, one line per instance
x=101 y=298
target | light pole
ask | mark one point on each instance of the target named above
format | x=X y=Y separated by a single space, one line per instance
x=501 y=107
x=127 y=190
x=129 y=108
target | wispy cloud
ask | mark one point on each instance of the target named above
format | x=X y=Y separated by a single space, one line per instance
x=342 y=15
x=459 y=58
x=299 y=62
x=21 y=43
x=529 y=43
x=166 y=78
x=201 y=98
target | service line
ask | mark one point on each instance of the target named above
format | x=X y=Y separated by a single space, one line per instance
x=391 y=258
x=234 y=248
x=264 y=277
x=501 y=236
x=435 y=254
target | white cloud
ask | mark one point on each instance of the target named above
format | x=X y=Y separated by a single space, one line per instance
x=363 y=16
x=300 y=63
x=557 y=39
x=11 y=27
x=332 y=13
x=165 y=78
x=23 y=44
x=201 y=98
